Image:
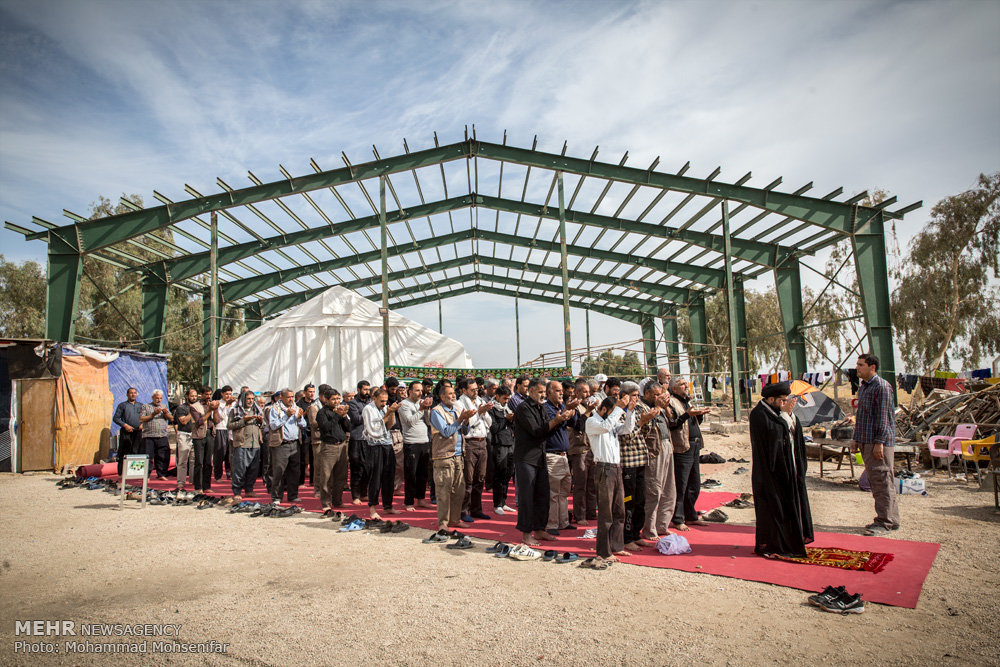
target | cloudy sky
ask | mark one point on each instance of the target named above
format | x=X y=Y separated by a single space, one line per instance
x=112 y=97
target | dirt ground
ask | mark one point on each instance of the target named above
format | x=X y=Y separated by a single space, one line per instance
x=295 y=592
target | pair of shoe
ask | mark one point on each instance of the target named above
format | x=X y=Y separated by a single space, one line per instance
x=711 y=483
x=878 y=530
x=715 y=516
x=739 y=504
x=498 y=511
x=838 y=600
x=436 y=538
x=467 y=518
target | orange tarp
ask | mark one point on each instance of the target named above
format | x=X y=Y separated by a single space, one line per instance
x=84 y=404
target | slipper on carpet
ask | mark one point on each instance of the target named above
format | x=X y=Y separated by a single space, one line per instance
x=716 y=516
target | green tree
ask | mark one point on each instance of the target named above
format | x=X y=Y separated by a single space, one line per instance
x=111 y=302
x=944 y=307
x=22 y=299
x=613 y=365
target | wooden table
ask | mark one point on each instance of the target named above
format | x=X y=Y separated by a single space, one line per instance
x=842 y=448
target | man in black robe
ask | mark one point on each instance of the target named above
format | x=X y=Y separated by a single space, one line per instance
x=784 y=523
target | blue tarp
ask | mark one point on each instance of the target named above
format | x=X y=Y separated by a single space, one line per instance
x=142 y=372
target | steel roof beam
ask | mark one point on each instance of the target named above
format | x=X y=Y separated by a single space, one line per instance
x=96 y=234
x=837 y=216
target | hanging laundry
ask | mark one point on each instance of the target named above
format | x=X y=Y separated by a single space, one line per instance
x=852 y=376
x=929 y=384
x=945 y=374
x=982 y=374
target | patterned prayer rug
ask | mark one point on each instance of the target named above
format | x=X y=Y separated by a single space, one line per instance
x=869 y=561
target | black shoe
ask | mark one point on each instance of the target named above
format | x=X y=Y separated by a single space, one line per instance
x=554 y=532
x=844 y=604
x=828 y=593
x=480 y=515
x=568 y=526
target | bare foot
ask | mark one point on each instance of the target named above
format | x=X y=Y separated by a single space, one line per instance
x=582 y=524
x=545 y=535
x=699 y=522
x=645 y=543
x=373 y=515
x=531 y=542
x=393 y=510
x=612 y=559
x=464 y=524
x=410 y=508
x=681 y=527
x=356 y=501
x=632 y=546
x=423 y=503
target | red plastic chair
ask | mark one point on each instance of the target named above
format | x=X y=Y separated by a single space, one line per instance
x=953 y=446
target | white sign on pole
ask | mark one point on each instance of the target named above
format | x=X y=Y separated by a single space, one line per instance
x=134 y=467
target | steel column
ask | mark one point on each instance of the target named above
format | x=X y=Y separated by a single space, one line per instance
x=565 y=268
x=649 y=344
x=154 y=307
x=788 y=283
x=62 y=295
x=385 y=273
x=587 y=320
x=671 y=337
x=699 y=343
x=873 y=279
x=440 y=318
x=213 y=267
x=517 y=331
x=206 y=340
x=734 y=368
x=742 y=342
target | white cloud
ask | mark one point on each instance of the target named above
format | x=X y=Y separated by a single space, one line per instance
x=103 y=98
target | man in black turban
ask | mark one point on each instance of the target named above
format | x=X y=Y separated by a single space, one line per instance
x=784 y=523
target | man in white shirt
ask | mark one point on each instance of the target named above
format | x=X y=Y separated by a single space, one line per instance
x=603 y=429
x=380 y=459
x=223 y=441
x=475 y=449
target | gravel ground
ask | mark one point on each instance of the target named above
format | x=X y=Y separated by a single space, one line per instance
x=294 y=592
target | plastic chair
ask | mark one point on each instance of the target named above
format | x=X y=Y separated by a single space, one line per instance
x=954 y=444
x=974 y=451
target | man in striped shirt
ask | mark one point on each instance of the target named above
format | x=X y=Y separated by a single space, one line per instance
x=875 y=436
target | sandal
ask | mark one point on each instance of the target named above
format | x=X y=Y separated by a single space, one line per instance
x=568 y=557
x=503 y=551
x=464 y=543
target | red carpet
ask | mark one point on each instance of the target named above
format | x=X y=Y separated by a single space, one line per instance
x=720 y=549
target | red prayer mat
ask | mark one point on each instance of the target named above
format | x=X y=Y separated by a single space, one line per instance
x=847 y=559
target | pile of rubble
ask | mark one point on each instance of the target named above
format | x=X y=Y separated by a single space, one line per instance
x=940 y=411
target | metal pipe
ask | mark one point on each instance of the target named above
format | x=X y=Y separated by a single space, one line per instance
x=213 y=325
x=563 y=262
x=731 y=307
x=385 y=274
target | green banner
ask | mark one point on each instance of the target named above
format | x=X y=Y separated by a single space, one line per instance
x=421 y=372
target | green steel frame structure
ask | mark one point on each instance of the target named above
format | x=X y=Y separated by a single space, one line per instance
x=635 y=243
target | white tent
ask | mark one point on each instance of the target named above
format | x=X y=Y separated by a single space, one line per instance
x=335 y=337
